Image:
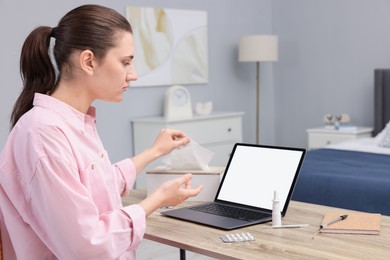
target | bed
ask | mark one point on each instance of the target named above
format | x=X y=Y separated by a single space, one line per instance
x=355 y=174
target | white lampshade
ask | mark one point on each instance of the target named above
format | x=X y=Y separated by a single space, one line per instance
x=258 y=48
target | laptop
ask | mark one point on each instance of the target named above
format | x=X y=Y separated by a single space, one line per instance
x=251 y=176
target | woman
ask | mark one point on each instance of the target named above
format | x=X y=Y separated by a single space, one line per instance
x=59 y=192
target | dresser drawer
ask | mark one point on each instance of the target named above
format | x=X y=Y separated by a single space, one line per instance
x=322 y=140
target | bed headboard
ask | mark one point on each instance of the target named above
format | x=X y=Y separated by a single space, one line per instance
x=381 y=99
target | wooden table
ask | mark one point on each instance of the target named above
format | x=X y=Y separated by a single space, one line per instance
x=293 y=243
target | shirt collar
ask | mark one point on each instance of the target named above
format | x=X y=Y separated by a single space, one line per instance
x=65 y=110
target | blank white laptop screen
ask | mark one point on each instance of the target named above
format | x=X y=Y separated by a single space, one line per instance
x=255 y=173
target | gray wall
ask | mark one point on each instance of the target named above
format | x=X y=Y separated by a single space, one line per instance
x=328 y=50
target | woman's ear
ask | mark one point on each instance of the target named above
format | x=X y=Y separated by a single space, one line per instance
x=87 y=60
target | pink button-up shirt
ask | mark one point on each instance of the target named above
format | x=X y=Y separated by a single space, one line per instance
x=60 y=196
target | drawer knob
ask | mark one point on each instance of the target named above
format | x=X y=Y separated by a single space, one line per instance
x=229 y=130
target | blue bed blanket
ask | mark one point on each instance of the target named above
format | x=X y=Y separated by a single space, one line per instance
x=346 y=179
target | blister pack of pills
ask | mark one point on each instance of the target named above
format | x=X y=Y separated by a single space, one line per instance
x=238 y=237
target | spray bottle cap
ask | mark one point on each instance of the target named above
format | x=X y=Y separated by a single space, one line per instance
x=276 y=198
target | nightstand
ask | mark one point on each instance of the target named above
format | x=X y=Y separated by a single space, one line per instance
x=217 y=132
x=321 y=136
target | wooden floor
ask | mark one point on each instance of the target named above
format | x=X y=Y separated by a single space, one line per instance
x=149 y=250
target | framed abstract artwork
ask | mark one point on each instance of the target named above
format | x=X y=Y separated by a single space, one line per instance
x=170 y=46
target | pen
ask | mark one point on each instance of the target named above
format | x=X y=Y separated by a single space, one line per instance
x=342 y=217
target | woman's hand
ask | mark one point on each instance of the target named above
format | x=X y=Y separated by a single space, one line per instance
x=166 y=141
x=170 y=193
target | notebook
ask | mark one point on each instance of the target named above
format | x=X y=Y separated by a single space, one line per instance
x=251 y=176
x=354 y=223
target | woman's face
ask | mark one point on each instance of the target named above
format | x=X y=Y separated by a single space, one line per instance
x=113 y=74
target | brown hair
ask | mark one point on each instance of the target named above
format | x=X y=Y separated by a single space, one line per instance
x=88 y=27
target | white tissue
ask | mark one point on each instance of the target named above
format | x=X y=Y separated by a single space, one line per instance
x=192 y=156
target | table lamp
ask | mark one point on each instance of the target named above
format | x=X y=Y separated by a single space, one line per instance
x=258 y=48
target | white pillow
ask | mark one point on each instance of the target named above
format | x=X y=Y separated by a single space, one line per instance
x=378 y=138
x=383 y=138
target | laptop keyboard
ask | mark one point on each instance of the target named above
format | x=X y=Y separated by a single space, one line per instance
x=231 y=212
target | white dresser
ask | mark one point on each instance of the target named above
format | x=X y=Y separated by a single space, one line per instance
x=321 y=136
x=217 y=132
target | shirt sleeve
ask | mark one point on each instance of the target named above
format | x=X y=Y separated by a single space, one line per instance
x=126 y=171
x=126 y=175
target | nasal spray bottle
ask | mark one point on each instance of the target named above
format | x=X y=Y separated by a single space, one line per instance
x=276 y=216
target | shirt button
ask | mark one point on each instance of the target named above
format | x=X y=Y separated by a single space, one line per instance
x=101 y=155
x=92 y=166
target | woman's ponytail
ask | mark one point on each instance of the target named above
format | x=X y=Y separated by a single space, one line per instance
x=36 y=69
